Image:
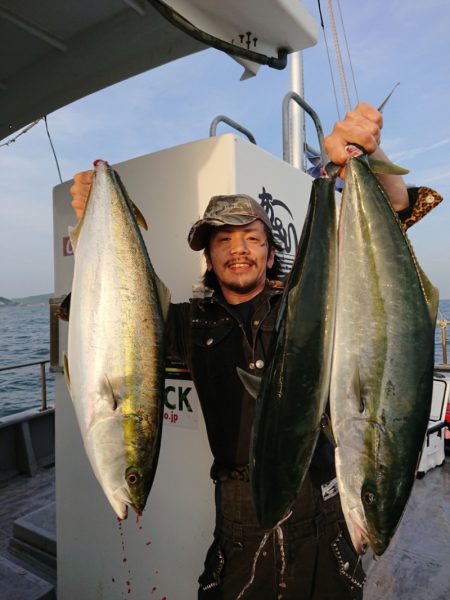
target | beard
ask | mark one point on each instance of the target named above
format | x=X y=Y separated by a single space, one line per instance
x=240 y=288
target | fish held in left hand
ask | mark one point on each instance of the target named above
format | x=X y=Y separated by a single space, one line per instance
x=114 y=367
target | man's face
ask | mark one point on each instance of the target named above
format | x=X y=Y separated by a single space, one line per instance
x=239 y=255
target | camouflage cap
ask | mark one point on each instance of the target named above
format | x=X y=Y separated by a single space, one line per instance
x=237 y=209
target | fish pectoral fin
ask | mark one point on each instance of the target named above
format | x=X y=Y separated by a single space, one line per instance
x=108 y=393
x=386 y=167
x=66 y=371
x=164 y=297
x=355 y=389
x=252 y=383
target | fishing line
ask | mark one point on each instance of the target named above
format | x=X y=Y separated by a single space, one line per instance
x=329 y=60
x=53 y=150
x=348 y=51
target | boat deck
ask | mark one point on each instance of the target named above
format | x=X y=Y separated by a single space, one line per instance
x=415 y=567
x=20 y=496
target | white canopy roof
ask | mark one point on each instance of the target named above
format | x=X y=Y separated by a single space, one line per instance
x=57 y=51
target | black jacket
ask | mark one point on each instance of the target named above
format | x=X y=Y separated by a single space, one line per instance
x=210 y=337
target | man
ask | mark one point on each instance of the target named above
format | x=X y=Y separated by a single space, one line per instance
x=311 y=557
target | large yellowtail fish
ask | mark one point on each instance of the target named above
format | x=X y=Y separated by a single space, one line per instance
x=294 y=391
x=114 y=366
x=382 y=372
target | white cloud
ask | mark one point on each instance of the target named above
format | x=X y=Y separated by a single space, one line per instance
x=412 y=152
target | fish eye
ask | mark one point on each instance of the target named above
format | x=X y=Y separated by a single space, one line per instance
x=369 y=498
x=132 y=476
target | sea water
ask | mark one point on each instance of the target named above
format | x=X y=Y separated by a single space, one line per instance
x=24 y=338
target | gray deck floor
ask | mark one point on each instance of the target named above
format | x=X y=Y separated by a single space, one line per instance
x=22 y=495
x=415 y=567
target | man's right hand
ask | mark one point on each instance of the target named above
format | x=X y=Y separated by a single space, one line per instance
x=80 y=191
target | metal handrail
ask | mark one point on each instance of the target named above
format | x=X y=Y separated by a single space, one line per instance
x=42 y=364
x=231 y=123
x=286 y=126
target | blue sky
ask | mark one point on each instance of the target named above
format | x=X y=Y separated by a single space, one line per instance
x=391 y=41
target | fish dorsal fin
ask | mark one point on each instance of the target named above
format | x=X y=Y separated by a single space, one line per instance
x=252 y=383
x=164 y=297
x=66 y=371
x=140 y=219
x=430 y=293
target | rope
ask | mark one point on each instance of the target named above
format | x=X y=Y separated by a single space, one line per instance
x=348 y=51
x=329 y=60
x=342 y=78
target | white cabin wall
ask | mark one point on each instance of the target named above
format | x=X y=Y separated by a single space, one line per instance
x=162 y=555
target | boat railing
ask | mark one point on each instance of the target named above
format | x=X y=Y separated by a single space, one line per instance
x=231 y=123
x=286 y=121
x=41 y=364
x=442 y=323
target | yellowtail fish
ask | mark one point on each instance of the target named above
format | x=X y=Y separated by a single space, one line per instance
x=294 y=389
x=382 y=372
x=114 y=366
